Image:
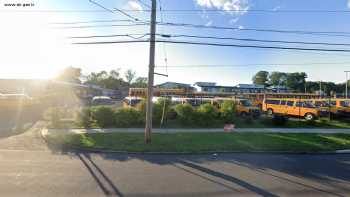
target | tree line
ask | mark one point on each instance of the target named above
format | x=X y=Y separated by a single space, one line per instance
x=106 y=79
x=296 y=81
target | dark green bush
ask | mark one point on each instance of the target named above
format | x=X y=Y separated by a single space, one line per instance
x=84 y=118
x=129 y=117
x=279 y=120
x=206 y=115
x=172 y=115
x=160 y=108
x=54 y=115
x=228 y=111
x=185 y=113
x=104 y=116
x=311 y=123
x=141 y=106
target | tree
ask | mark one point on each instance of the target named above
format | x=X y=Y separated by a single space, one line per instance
x=104 y=79
x=140 y=82
x=277 y=78
x=261 y=78
x=130 y=76
x=296 y=81
x=70 y=74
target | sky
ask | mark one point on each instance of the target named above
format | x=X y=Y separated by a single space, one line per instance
x=35 y=44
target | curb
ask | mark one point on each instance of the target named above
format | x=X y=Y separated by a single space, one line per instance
x=101 y=150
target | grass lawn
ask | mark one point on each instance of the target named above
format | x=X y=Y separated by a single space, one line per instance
x=205 y=142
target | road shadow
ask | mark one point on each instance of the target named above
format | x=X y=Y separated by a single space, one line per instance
x=229 y=178
x=17 y=122
x=326 y=169
x=102 y=180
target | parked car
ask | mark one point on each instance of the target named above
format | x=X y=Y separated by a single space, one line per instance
x=293 y=107
x=102 y=100
x=245 y=108
x=337 y=107
x=131 y=101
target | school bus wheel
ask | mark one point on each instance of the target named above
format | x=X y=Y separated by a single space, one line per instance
x=309 y=116
x=270 y=112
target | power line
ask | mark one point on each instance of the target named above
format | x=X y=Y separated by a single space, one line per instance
x=192 y=10
x=112 y=11
x=126 y=14
x=98 y=26
x=221 y=45
x=188 y=10
x=255 y=46
x=226 y=38
x=165 y=53
x=260 y=64
x=109 y=36
x=250 y=10
x=145 y=4
x=303 y=32
x=52 y=11
x=92 y=21
x=134 y=36
x=101 y=6
x=253 y=40
x=323 y=33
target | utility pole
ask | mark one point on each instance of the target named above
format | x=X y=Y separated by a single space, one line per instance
x=148 y=127
x=320 y=88
x=346 y=84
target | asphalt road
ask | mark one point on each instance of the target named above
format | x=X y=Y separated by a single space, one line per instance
x=28 y=167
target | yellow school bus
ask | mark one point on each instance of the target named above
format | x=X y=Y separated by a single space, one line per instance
x=337 y=107
x=244 y=107
x=292 y=107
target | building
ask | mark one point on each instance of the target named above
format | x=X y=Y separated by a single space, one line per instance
x=96 y=90
x=278 y=89
x=250 y=88
x=174 y=85
x=240 y=88
x=213 y=88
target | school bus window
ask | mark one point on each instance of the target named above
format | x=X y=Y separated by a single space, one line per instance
x=344 y=103
x=309 y=105
x=246 y=103
x=273 y=102
x=290 y=103
x=299 y=104
x=283 y=102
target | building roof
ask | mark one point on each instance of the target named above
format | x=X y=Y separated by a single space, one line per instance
x=250 y=86
x=205 y=84
x=277 y=87
x=174 y=83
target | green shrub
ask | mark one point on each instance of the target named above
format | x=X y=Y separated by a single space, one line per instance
x=279 y=120
x=248 y=120
x=206 y=115
x=311 y=123
x=157 y=109
x=54 y=116
x=104 y=116
x=161 y=106
x=185 y=113
x=129 y=117
x=228 y=111
x=141 y=106
x=171 y=115
x=83 y=118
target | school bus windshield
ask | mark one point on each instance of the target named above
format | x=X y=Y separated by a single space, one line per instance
x=246 y=103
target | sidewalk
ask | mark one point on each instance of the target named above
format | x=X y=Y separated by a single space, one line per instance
x=165 y=130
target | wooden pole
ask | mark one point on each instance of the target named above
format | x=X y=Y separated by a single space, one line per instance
x=148 y=127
